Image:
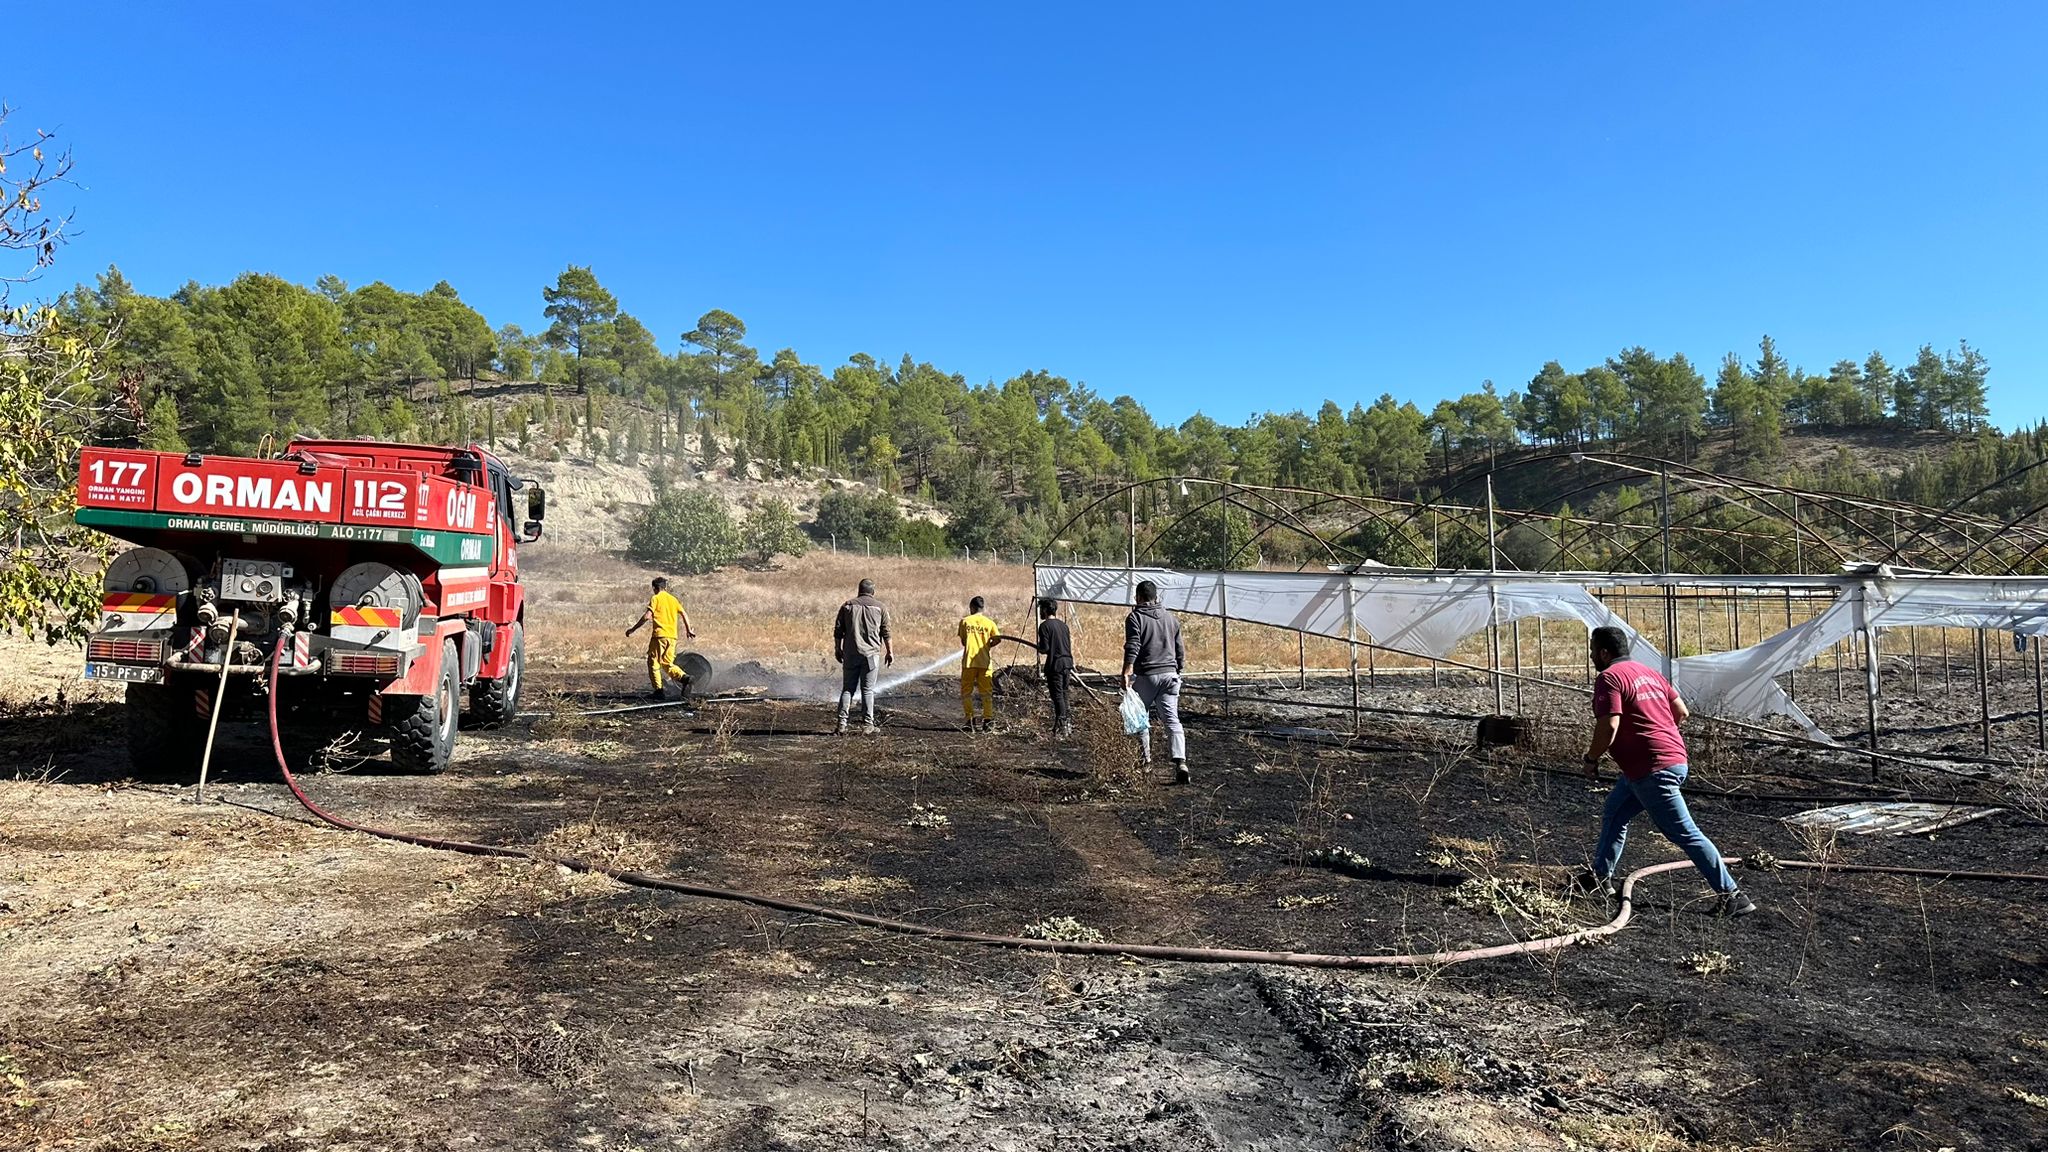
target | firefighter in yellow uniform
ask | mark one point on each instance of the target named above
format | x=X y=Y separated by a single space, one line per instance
x=978 y=635
x=666 y=613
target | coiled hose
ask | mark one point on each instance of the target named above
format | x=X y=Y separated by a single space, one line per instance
x=1173 y=952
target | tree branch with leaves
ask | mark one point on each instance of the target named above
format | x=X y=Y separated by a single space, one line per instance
x=52 y=384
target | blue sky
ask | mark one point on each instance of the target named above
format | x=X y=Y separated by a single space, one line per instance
x=1224 y=208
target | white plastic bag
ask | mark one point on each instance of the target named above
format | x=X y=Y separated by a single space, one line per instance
x=1132 y=710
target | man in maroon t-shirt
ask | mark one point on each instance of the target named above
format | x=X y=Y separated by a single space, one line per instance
x=1636 y=714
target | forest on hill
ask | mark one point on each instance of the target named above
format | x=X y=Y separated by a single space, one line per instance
x=221 y=368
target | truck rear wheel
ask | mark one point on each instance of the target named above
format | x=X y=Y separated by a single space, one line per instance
x=166 y=734
x=492 y=703
x=423 y=727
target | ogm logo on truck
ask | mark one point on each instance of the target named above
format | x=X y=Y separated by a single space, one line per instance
x=462 y=508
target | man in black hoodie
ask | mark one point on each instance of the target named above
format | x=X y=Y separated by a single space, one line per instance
x=1153 y=660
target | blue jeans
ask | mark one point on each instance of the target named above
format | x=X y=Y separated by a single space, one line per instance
x=1161 y=693
x=1659 y=795
x=857 y=679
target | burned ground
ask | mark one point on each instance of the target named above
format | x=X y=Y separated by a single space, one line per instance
x=230 y=975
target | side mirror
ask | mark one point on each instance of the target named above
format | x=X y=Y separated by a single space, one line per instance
x=531 y=533
x=536 y=505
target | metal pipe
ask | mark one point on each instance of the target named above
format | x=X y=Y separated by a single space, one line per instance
x=1870 y=688
x=1223 y=603
x=1984 y=690
x=2040 y=699
x=1517 y=626
x=1351 y=641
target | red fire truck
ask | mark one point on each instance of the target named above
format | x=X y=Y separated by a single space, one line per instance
x=379 y=581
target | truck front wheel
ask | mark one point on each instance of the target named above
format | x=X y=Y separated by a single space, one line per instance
x=493 y=703
x=166 y=734
x=423 y=727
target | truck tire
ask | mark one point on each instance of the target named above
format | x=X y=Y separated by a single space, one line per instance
x=423 y=727
x=165 y=734
x=493 y=703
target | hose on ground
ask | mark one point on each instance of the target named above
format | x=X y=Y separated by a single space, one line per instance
x=1169 y=952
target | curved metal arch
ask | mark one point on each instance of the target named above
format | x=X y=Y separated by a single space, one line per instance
x=2010 y=565
x=1591 y=525
x=1945 y=513
x=1734 y=563
x=1329 y=498
x=1229 y=488
x=1749 y=488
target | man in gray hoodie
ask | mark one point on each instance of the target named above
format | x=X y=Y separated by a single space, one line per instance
x=860 y=642
x=1153 y=660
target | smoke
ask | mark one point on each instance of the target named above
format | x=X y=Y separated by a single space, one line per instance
x=752 y=675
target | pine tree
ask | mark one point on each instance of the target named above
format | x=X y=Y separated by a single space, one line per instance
x=160 y=432
x=707 y=444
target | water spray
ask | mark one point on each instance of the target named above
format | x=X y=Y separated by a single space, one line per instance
x=898 y=679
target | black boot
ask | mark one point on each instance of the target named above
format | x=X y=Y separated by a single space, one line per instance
x=1181 y=774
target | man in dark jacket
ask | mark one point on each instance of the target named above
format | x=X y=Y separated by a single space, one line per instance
x=1056 y=646
x=1153 y=660
x=860 y=642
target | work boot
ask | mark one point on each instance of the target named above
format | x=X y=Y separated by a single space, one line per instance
x=1734 y=904
x=658 y=694
x=1590 y=883
x=1063 y=732
x=1181 y=774
x=869 y=729
x=840 y=728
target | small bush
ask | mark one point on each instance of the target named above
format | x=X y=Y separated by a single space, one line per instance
x=851 y=516
x=771 y=530
x=688 y=532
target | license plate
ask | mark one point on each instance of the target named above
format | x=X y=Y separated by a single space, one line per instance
x=131 y=673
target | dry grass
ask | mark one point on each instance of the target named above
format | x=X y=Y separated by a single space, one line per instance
x=595 y=841
x=563 y=1056
x=582 y=601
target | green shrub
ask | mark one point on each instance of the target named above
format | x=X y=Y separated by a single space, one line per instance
x=685 y=531
x=771 y=529
x=1212 y=539
x=851 y=517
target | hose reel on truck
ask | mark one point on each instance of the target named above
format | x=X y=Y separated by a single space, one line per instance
x=150 y=571
x=373 y=612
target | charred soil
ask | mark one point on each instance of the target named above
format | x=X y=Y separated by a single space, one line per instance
x=232 y=976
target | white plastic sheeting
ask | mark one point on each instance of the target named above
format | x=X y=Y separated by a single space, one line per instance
x=1424 y=614
x=1740 y=683
x=1429 y=614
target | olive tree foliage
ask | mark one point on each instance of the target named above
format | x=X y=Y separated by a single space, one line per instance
x=688 y=531
x=1214 y=537
x=52 y=389
x=770 y=531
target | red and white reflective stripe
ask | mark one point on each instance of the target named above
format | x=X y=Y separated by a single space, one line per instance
x=195 y=648
x=376 y=709
x=302 y=650
x=202 y=703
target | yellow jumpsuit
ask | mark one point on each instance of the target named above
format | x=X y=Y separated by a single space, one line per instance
x=664 y=610
x=977 y=665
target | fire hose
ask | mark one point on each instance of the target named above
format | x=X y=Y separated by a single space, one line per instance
x=1169 y=952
